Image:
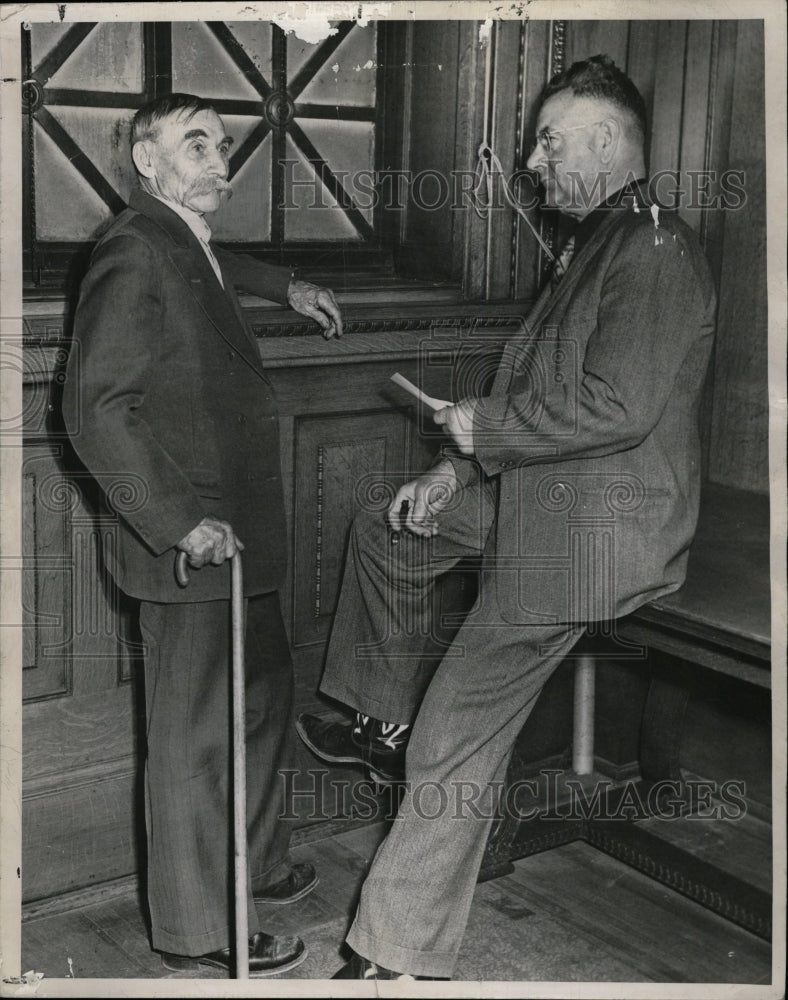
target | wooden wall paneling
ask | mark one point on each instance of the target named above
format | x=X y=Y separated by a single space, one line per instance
x=712 y=220
x=723 y=64
x=288 y=459
x=46 y=580
x=82 y=705
x=472 y=66
x=426 y=249
x=665 y=148
x=393 y=86
x=467 y=227
x=641 y=64
x=727 y=735
x=82 y=833
x=507 y=40
x=739 y=444
x=591 y=38
x=696 y=121
x=70 y=738
x=526 y=254
x=344 y=463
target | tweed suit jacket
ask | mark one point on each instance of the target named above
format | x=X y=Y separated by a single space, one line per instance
x=591 y=425
x=169 y=408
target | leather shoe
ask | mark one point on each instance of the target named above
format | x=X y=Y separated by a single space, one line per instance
x=362 y=968
x=301 y=880
x=268 y=956
x=336 y=743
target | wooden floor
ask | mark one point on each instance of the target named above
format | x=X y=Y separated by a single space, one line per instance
x=568 y=915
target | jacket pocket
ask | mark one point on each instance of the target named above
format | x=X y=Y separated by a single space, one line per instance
x=205 y=483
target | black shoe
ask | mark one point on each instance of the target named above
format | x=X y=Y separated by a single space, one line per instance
x=301 y=880
x=268 y=956
x=336 y=743
x=362 y=968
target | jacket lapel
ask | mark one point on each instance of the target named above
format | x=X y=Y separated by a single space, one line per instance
x=548 y=304
x=550 y=301
x=191 y=262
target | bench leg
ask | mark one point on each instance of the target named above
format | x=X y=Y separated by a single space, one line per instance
x=583 y=739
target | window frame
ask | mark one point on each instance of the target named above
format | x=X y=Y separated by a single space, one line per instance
x=56 y=265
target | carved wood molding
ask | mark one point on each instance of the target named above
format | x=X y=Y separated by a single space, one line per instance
x=46 y=335
x=557 y=47
x=47 y=599
x=557 y=61
x=710 y=886
x=319 y=529
x=462 y=322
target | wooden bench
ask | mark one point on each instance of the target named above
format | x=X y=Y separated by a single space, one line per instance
x=718 y=621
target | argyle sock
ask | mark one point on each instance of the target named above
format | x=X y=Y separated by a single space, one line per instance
x=361 y=727
x=385 y=735
x=390 y=735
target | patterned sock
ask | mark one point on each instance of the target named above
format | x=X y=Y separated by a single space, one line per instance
x=361 y=725
x=392 y=735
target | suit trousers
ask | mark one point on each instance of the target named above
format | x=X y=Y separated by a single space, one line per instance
x=468 y=712
x=189 y=813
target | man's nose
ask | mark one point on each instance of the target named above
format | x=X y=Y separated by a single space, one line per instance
x=536 y=158
x=219 y=164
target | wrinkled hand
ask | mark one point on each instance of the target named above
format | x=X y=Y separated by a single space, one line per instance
x=457 y=422
x=319 y=303
x=212 y=541
x=426 y=497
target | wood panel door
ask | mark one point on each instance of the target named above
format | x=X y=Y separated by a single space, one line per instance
x=82 y=719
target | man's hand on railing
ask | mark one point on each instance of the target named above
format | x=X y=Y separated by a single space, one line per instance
x=318 y=303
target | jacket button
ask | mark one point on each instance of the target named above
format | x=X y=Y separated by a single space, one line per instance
x=231 y=355
x=251 y=477
x=241 y=418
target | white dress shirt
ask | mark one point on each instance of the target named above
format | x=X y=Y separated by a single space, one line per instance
x=201 y=230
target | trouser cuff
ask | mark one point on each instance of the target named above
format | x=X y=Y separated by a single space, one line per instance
x=402 y=712
x=403 y=960
x=194 y=945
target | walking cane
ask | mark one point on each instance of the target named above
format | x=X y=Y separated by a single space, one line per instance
x=239 y=758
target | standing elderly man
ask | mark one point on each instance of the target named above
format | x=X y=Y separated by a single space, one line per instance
x=577 y=478
x=169 y=408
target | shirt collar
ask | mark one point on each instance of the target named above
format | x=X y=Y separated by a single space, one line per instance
x=193 y=220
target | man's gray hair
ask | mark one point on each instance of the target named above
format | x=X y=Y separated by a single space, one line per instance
x=145 y=123
x=600 y=77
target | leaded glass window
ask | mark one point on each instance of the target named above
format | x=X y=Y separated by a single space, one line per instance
x=304 y=117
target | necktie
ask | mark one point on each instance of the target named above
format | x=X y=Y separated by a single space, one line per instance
x=563 y=262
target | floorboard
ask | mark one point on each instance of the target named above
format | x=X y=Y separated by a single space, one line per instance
x=572 y=914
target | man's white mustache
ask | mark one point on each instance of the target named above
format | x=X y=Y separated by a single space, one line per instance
x=216 y=184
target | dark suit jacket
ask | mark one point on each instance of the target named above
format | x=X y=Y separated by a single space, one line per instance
x=169 y=408
x=591 y=426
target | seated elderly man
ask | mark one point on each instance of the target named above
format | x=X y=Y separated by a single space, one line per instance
x=169 y=407
x=577 y=481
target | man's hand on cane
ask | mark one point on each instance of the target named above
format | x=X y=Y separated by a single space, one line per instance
x=212 y=541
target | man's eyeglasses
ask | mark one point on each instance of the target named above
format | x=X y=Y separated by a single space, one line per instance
x=546 y=136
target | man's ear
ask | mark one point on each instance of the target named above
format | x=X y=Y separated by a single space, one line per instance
x=610 y=136
x=142 y=155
